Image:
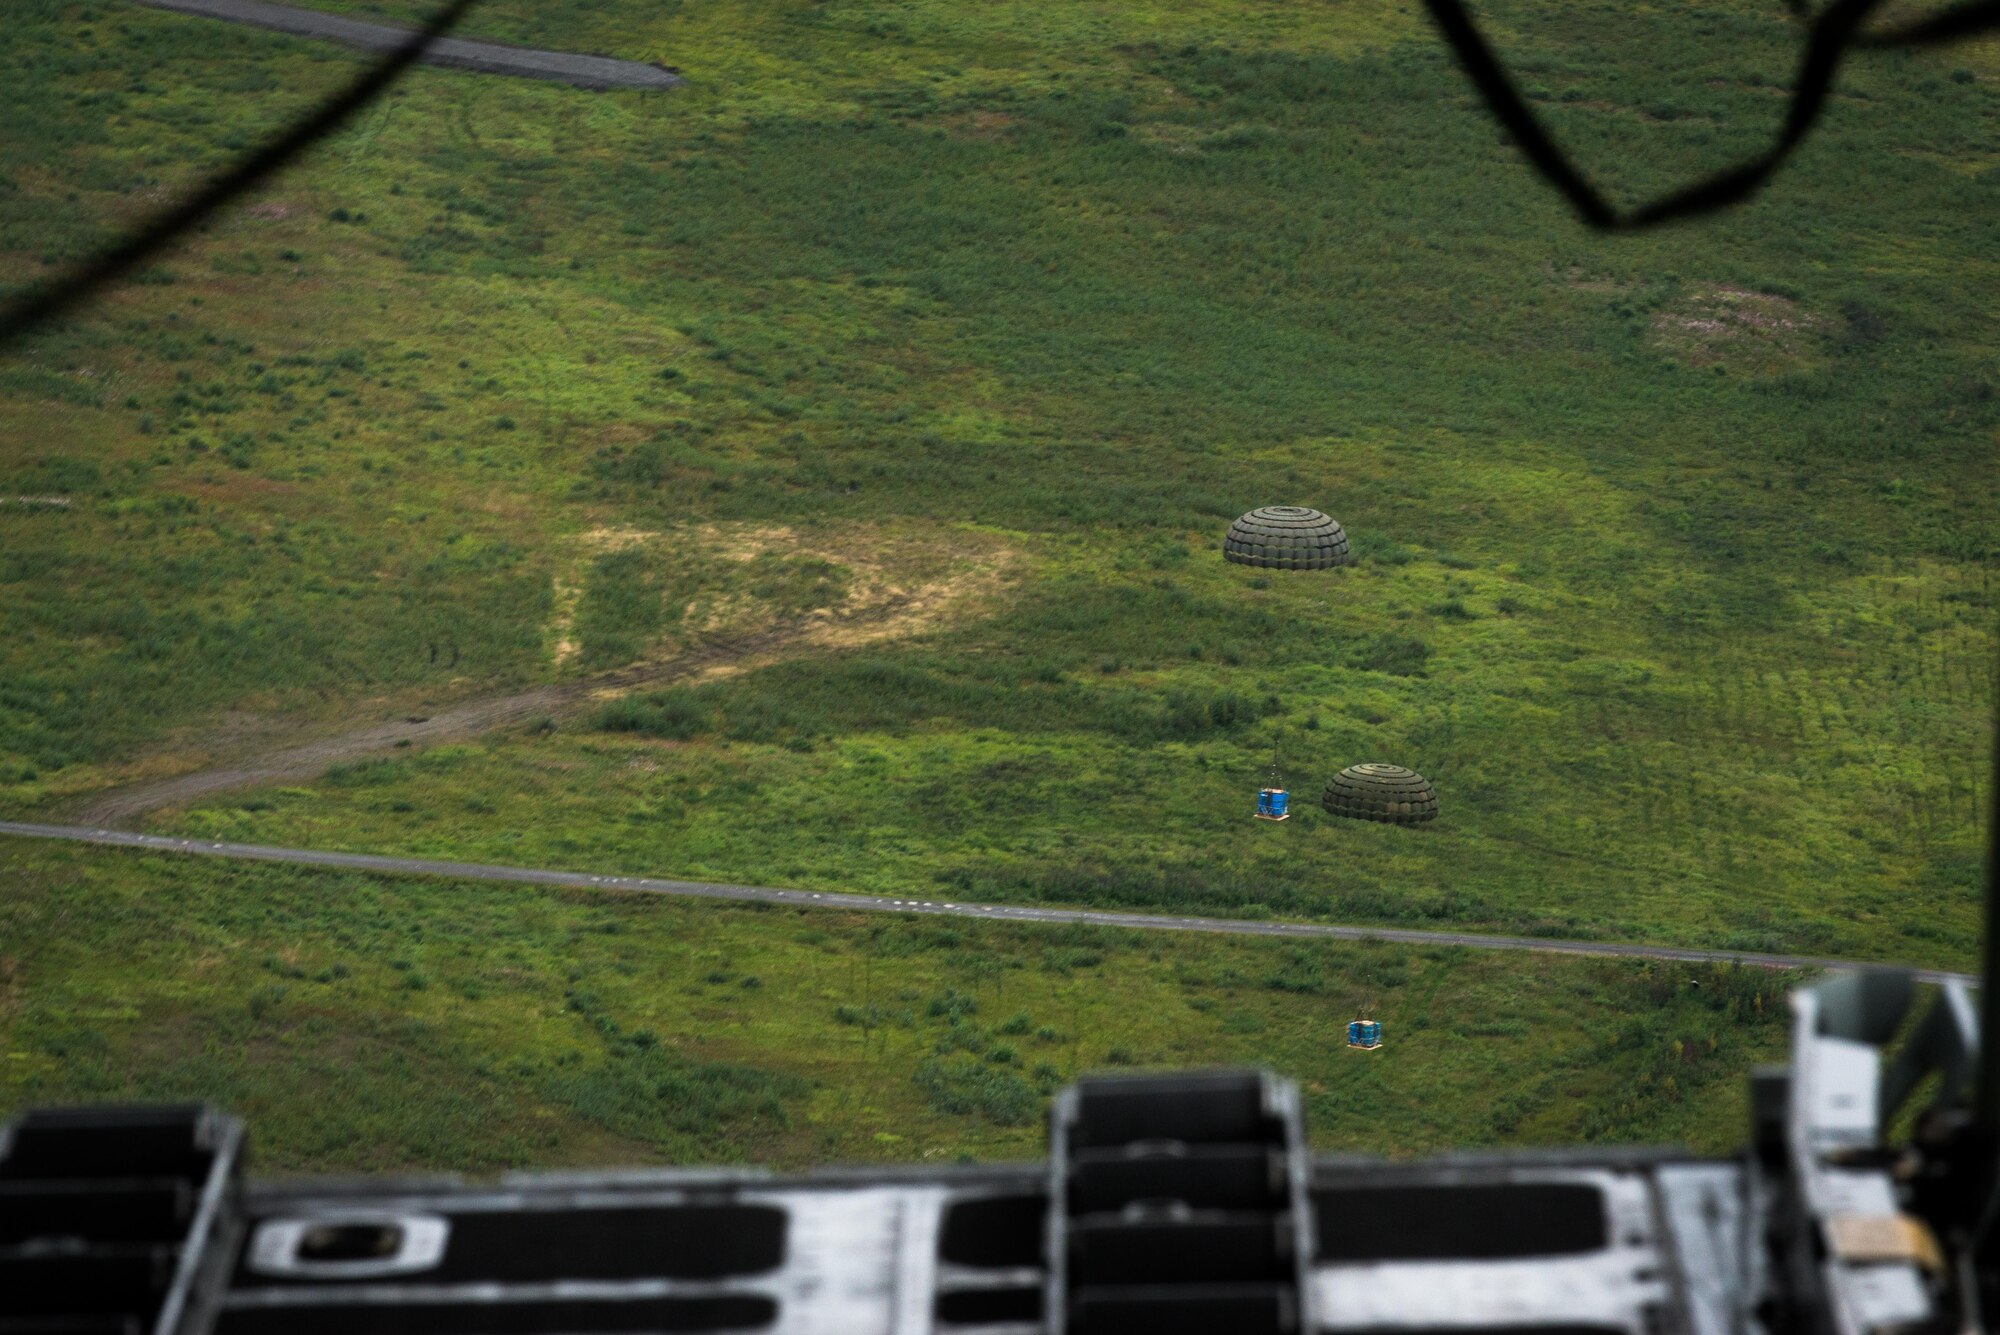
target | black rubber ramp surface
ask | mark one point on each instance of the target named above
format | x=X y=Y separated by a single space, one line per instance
x=456 y=52
x=755 y=894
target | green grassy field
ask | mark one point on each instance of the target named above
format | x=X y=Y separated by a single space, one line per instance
x=368 y=1024
x=1676 y=550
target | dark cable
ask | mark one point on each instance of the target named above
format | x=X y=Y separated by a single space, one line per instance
x=39 y=307
x=1947 y=25
x=1830 y=35
x=1830 y=38
x=1986 y=1095
x=1507 y=104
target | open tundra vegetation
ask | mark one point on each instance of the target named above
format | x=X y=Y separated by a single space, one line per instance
x=363 y=1023
x=843 y=444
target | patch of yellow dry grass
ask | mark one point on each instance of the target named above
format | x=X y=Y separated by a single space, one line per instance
x=902 y=583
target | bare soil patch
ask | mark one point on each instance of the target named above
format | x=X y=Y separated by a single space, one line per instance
x=236 y=487
x=1740 y=330
x=981 y=125
x=1646 y=114
x=1171 y=136
x=1579 y=279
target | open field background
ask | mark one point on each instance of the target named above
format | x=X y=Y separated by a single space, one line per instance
x=371 y=1024
x=1677 y=551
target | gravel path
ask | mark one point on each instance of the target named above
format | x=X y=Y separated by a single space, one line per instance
x=471 y=871
x=457 y=52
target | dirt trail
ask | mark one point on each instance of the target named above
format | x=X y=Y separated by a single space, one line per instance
x=893 y=617
x=901 y=584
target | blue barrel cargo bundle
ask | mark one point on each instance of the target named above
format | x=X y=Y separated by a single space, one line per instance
x=1272 y=799
x=1365 y=1034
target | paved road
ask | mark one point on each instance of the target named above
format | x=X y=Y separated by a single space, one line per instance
x=457 y=52
x=470 y=871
